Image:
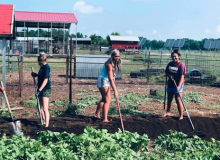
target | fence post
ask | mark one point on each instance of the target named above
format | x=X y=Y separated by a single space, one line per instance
x=3 y=68
x=70 y=86
x=21 y=82
x=160 y=56
x=67 y=62
x=148 y=68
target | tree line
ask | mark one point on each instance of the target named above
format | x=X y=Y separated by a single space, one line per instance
x=57 y=35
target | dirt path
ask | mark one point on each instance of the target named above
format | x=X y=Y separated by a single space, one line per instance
x=153 y=126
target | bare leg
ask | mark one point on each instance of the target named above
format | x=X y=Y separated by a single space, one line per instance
x=41 y=109
x=100 y=106
x=46 y=111
x=104 y=103
x=179 y=105
x=169 y=104
x=98 y=109
x=107 y=103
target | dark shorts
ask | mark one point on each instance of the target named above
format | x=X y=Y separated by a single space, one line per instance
x=45 y=93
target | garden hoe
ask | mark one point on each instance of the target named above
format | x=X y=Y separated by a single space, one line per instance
x=194 y=132
x=38 y=102
x=14 y=127
x=165 y=92
x=119 y=111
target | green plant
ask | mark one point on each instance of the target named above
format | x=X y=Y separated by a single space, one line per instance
x=36 y=114
x=192 y=97
x=176 y=146
x=30 y=103
x=129 y=104
x=55 y=112
x=26 y=113
x=92 y=144
x=62 y=103
x=3 y=113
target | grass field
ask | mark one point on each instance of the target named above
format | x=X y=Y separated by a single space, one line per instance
x=208 y=63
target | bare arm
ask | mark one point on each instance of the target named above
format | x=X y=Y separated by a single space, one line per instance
x=111 y=79
x=43 y=84
x=181 y=82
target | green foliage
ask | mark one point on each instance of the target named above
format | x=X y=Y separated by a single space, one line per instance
x=176 y=146
x=138 y=57
x=3 y=113
x=159 y=97
x=129 y=104
x=62 y=103
x=92 y=144
x=192 y=97
x=78 y=106
x=55 y=112
x=99 y=144
x=26 y=113
x=30 y=103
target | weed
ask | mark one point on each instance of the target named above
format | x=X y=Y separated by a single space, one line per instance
x=30 y=103
x=26 y=113
x=36 y=114
x=4 y=114
x=55 y=112
x=62 y=103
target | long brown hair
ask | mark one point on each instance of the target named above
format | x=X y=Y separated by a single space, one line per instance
x=42 y=57
x=114 y=63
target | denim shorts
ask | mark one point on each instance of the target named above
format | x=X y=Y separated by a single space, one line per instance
x=173 y=90
x=102 y=82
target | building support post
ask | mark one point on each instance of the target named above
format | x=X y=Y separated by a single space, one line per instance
x=76 y=38
x=63 y=37
x=51 y=40
x=3 y=68
x=38 y=38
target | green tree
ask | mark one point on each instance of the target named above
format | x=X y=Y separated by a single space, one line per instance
x=114 y=34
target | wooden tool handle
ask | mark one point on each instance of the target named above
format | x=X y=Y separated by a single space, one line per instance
x=6 y=99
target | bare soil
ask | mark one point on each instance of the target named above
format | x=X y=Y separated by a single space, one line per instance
x=205 y=116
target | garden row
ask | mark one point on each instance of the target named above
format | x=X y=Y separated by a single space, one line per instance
x=99 y=144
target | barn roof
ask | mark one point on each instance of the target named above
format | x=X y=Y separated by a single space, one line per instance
x=45 y=19
x=6 y=20
x=34 y=38
x=124 y=38
x=81 y=39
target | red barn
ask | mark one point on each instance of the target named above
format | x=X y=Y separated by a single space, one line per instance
x=124 y=43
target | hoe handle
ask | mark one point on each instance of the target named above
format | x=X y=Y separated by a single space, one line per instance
x=165 y=92
x=6 y=99
x=119 y=111
x=38 y=102
x=184 y=106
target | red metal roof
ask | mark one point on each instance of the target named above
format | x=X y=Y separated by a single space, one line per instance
x=45 y=17
x=6 y=19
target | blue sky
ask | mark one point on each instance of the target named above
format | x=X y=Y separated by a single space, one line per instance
x=153 y=19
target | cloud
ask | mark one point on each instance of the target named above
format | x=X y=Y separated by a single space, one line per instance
x=207 y=31
x=218 y=29
x=154 y=31
x=136 y=33
x=84 y=8
x=130 y=32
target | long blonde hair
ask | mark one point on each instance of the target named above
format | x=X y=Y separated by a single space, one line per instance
x=42 y=57
x=114 y=63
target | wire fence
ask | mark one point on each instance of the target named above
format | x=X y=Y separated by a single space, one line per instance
x=138 y=70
